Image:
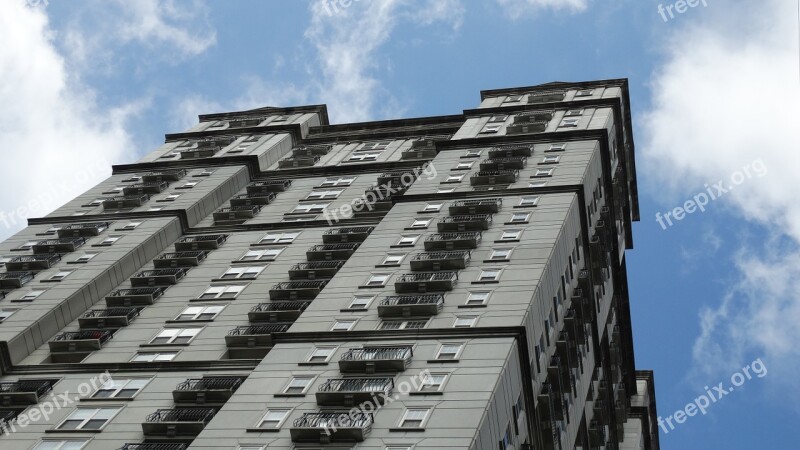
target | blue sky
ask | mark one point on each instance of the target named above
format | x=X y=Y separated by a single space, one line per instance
x=712 y=94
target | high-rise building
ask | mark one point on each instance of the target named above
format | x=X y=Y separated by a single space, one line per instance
x=266 y=280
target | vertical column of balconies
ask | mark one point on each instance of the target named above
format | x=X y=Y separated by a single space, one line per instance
x=246 y=206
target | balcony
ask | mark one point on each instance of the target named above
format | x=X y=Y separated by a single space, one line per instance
x=426 y=282
x=467 y=222
x=481 y=206
x=154 y=446
x=245 y=122
x=23 y=393
x=446 y=260
x=277 y=312
x=61 y=246
x=514 y=162
x=200 y=152
x=133 y=297
x=315 y=270
x=206 y=242
x=353 y=391
x=546 y=96
x=78 y=341
x=259 y=199
x=333 y=426
x=298 y=161
x=567 y=350
x=6 y=416
x=549 y=404
x=15 y=280
x=419 y=153
x=345 y=235
x=260 y=187
x=27 y=263
x=297 y=290
x=489 y=177
x=179 y=260
x=330 y=252
x=236 y=214
x=125 y=201
x=453 y=241
x=312 y=150
x=597 y=434
x=77 y=230
x=171 y=423
x=145 y=188
x=411 y=305
x=558 y=373
x=253 y=341
x=510 y=151
x=530 y=122
x=158 y=277
x=200 y=391
x=397 y=178
x=375 y=360
x=98 y=319
x=164 y=175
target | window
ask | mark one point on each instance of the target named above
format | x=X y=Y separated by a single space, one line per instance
x=432 y=207
x=95 y=202
x=393 y=259
x=279 y=238
x=365 y=156
x=498 y=118
x=445 y=190
x=121 y=388
x=155 y=208
x=310 y=208
x=324 y=195
x=88 y=419
x=133 y=179
x=321 y=354
x=414 y=418
x=511 y=235
x=472 y=153
x=80 y=213
x=464 y=165
x=228 y=292
x=377 y=279
x=585 y=93
x=170 y=198
x=569 y=123
x=454 y=178
x=27 y=245
x=6 y=313
x=109 y=240
x=528 y=201
x=343 y=325
x=519 y=218
x=512 y=99
x=500 y=254
x=338 y=181
x=32 y=295
x=537 y=184
x=420 y=223
x=361 y=301
x=375 y=145
x=250 y=447
x=170 y=155
x=154 y=356
x=114 y=190
x=550 y=160
x=4 y=260
x=465 y=321
x=262 y=255
x=66 y=444
x=477 y=298
x=188 y=184
x=298 y=218
x=433 y=382
x=282 y=118
x=557 y=148
x=408 y=240
x=573 y=113
x=206 y=173
x=245 y=272
x=131 y=226
x=200 y=313
x=396 y=447
x=170 y=336
x=490 y=129
x=298 y=385
x=274 y=418
x=544 y=172
x=402 y=324
x=449 y=351
x=489 y=275
x=60 y=275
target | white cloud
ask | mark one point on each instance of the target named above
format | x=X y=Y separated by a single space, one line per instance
x=726 y=96
x=56 y=142
x=175 y=23
x=518 y=8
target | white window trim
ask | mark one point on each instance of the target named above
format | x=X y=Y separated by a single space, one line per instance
x=155 y=356
x=196 y=317
x=280 y=238
x=266 y=254
x=280 y=423
x=85 y=421
x=496 y=278
x=456 y=355
x=195 y=331
x=117 y=390
x=470 y=302
x=473 y=321
x=305 y=389
x=422 y=423
x=341 y=321
x=332 y=348
x=242 y=273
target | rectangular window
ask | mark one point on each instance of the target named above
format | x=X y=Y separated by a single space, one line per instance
x=170 y=198
x=512 y=99
x=324 y=195
x=298 y=385
x=550 y=160
x=573 y=113
x=343 y=325
x=537 y=184
x=432 y=207
x=63 y=444
x=498 y=118
x=519 y=218
x=321 y=354
x=337 y=181
x=490 y=129
x=557 y=148
x=32 y=295
x=227 y=292
x=274 y=418
x=5 y=259
x=465 y=321
x=269 y=254
x=121 y=388
x=420 y=223
x=500 y=254
x=361 y=301
x=528 y=201
x=433 y=382
x=170 y=336
x=464 y=165
x=472 y=153
x=206 y=173
x=109 y=240
x=414 y=418
x=402 y=324
x=88 y=419
x=27 y=245
x=454 y=178
x=445 y=190
x=242 y=273
x=393 y=259
x=477 y=298
x=310 y=208
x=154 y=356
x=200 y=313
x=279 y=238
x=299 y=218
x=6 y=313
x=375 y=145
x=511 y=235
x=364 y=156
x=569 y=123
x=544 y=172
x=60 y=275
x=377 y=279
x=408 y=240
x=131 y=226
x=449 y=351
x=489 y=275
x=585 y=93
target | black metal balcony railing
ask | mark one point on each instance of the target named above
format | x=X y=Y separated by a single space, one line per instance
x=546 y=96
x=510 y=151
x=279 y=307
x=440 y=260
x=203 y=415
x=5 y=417
x=236 y=213
x=371 y=385
x=260 y=329
x=179 y=259
x=429 y=276
x=137 y=296
x=157 y=277
x=211 y=384
x=328 y=252
x=250 y=199
x=145 y=188
x=61 y=246
x=404 y=300
x=125 y=201
x=378 y=353
x=470 y=222
x=204 y=242
x=200 y=152
x=298 y=161
x=312 y=150
x=494 y=177
x=82 y=229
x=38 y=387
x=164 y=175
x=347 y=234
x=315 y=270
x=514 y=162
x=411 y=305
x=281 y=311
x=426 y=281
x=127 y=313
x=89 y=335
x=15 y=280
x=297 y=290
x=258 y=187
x=334 y=420
x=400 y=178
x=245 y=122
x=453 y=241
x=154 y=446
x=25 y=263
x=533 y=116
x=480 y=206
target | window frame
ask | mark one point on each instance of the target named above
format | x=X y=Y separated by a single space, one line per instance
x=242 y=273
x=337 y=322
x=226 y=288
x=422 y=422
x=312 y=354
x=304 y=389
x=84 y=422
x=354 y=305
x=124 y=387
x=404 y=324
x=156 y=356
x=264 y=254
x=495 y=279
x=198 y=317
x=456 y=354
x=280 y=238
x=470 y=301
x=171 y=340
x=279 y=423
x=61 y=444
x=473 y=321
